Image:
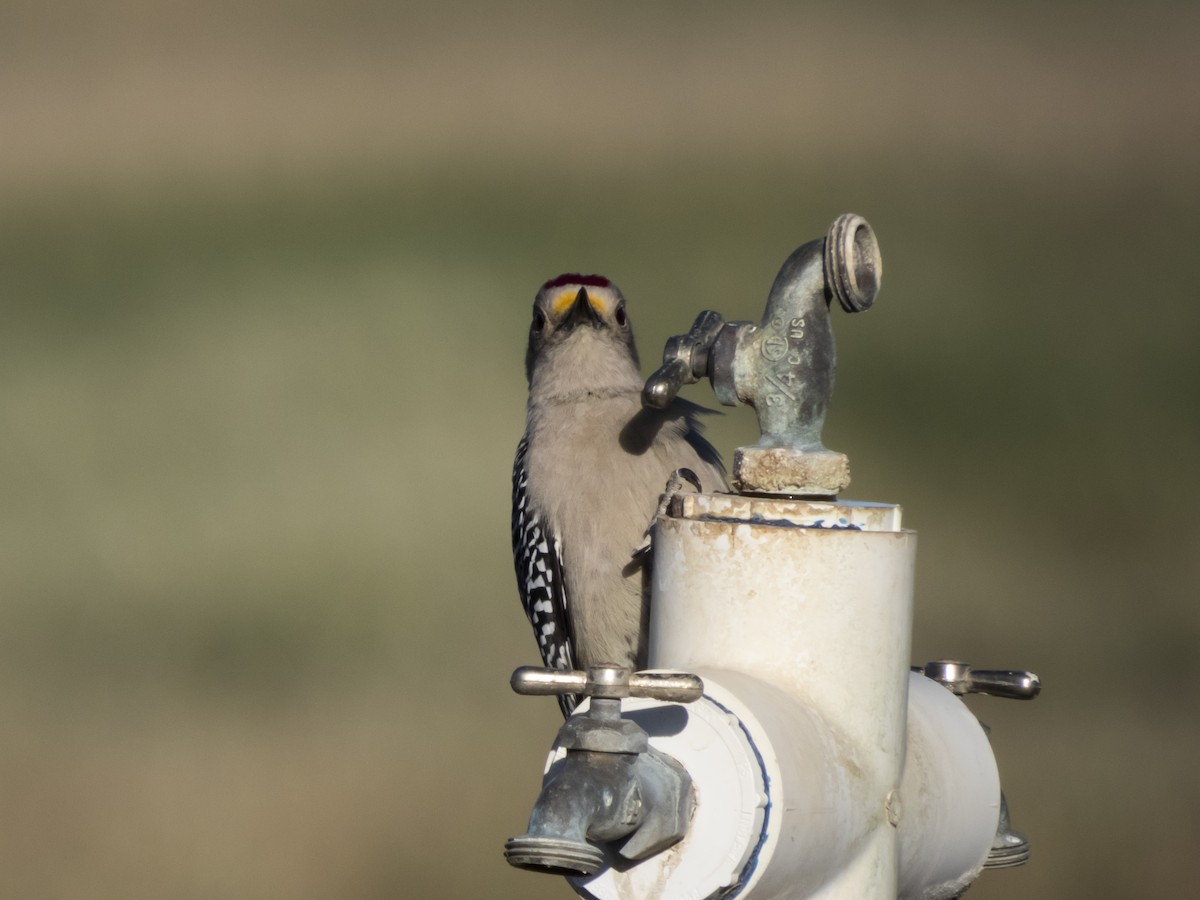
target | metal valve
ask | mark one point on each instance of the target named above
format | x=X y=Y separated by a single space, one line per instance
x=611 y=788
x=961 y=679
x=783 y=366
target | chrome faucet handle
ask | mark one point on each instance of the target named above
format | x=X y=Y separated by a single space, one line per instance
x=685 y=360
x=608 y=682
x=961 y=679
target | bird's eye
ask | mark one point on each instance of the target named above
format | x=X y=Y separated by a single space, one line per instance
x=622 y=319
x=539 y=321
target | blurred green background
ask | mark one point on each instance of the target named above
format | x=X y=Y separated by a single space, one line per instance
x=265 y=272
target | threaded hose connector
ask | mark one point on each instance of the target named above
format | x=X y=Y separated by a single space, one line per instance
x=853 y=264
x=553 y=855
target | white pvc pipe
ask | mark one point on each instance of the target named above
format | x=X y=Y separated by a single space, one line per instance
x=798 y=616
x=753 y=751
x=950 y=794
x=813 y=600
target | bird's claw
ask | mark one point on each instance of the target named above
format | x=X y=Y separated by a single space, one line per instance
x=675 y=485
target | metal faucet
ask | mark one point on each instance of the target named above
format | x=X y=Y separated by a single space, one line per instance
x=784 y=366
x=611 y=787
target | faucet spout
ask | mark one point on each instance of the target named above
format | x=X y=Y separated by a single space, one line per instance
x=610 y=786
x=587 y=795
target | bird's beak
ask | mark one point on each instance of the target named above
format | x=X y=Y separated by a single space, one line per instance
x=582 y=311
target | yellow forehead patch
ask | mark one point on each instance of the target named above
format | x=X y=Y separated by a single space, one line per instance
x=563 y=301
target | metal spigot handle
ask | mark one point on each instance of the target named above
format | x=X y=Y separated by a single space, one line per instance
x=685 y=360
x=612 y=682
x=961 y=679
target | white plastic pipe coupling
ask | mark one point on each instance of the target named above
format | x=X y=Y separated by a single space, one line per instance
x=797 y=615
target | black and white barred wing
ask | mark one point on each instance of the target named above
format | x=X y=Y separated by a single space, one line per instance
x=537 y=554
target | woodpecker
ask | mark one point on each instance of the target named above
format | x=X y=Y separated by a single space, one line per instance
x=588 y=474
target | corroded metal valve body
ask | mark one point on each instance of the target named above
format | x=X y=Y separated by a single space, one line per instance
x=610 y=786
x=784 y=366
